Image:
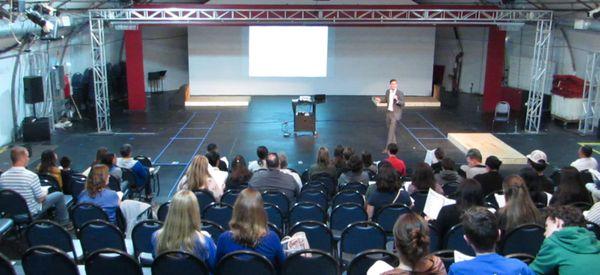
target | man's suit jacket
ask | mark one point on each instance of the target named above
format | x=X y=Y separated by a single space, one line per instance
x=397 y=104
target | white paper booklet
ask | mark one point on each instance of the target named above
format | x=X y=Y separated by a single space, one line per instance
x=379 y=267
x=500 y=200
x=434 y=204
x=459 y=257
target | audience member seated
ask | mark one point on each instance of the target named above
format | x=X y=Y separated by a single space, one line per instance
x=110 y=160
x=100 y=152
x=571 y=188
x=448 y=174
x=534 y=186
x=592 y=187
x=27 y=184
x=355 y=172
x=439 y=156
x=411 y=238
x=569 y=248
x=223 y=160
x=519 y=208
x=387 y=190
x=66 y=173
x=469 y=195
x=585 y=160
x=473 y=166
x=593 y=215
x=368 y=164
x=273 y=179
x=240 y=175
x=96 y=192
x=482 y=233
x=491 y=180
x=260 y=163
x=339 y=161
x=197 y=177
x=142 y=174
x=249 y=230
x=48 y=166
x=283 y=167
x=323 y=165
x=182 y=230
x=423 y=179
x=539 y=161
x=213 y=169
x=392 y=150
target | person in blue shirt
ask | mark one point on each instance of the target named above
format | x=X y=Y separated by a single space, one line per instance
x=249 y=230
x=482 y=233
x=182 y=230
x=96 y=192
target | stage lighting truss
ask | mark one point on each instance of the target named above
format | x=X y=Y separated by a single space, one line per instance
x=591 y=95
x=121 y=18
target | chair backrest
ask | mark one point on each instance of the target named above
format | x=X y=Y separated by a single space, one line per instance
x=347 y=196
x=45 y=259
x=230 y=196
x=144 y=160
x=214 y=229
x=13 y=206
x=594 y=228
x=277 y=198
x=274 y=214
x=314 y=195
x=502 y=108
x=435 y=238
x=99 y=234
x=361 y=236
x=526 y=238
x=310 y=261
x=523 y=257
x=162 y=212
x=454 y=240
x=329 y=182
x=346 y=214
x=307 y=211
x=244 y=262
x=77 y=185
x=318 y=234
x=361 y=188
x=46 y=232
x=387 y=216
x=177 y=263
x=113 y=262
x=420 y=198
x=6 y=266
x=141 y=236
x=315 y=185
x=85 y=212
x=275 y=229
x=364 y=260
x=219 y=213
x=129 y=176
x=48 y=180
x=205 y=198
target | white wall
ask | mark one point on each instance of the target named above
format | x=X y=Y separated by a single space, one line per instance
x=165 y=48
x=474 y=41
x=361 y=60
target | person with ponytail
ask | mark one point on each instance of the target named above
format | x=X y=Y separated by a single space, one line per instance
x=411 y=237
x=519 y=208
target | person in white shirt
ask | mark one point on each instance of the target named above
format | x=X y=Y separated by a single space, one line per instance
x=474 y=166
x=219 y=176
x=395 y=101
x=283 y=167
x=585 y=161
x=261 y=163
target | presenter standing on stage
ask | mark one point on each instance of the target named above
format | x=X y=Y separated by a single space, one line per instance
x=395 y=101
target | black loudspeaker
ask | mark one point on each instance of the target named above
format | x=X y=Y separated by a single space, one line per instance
x=36 y=129
x=320 y=98
x=33 y=87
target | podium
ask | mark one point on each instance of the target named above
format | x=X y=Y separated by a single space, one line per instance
x=305 y=113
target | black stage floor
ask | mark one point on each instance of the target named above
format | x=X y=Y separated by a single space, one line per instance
x=171 y=134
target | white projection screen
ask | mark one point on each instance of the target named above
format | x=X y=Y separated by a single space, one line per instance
x=287 y=51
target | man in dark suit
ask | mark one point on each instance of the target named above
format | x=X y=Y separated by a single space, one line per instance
x=395 y=101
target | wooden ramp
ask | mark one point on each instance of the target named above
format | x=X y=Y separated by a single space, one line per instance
x=489 y=145
x=217 y=101
x=415 y=101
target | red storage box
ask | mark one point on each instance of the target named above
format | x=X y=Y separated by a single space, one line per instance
x=568 y=86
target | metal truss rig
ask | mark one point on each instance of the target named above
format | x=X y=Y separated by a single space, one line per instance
x=591 y=94
x=302 y=16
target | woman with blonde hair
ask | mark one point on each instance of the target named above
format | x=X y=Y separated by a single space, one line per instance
x=249 y=230
x=197 y=177
x=323 y=164
x=519 y=208
x=182 y=230
x=96 y=192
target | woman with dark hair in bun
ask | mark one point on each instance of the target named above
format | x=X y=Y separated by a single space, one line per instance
x=411 y=237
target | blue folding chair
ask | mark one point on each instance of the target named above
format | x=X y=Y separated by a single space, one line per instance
x=387 y=216
x=230 y=196
x=359 y=237
x=113 y=262
x=306 y=211
x=274 y=215
x=99 y=234
x=454 y=240
x=219 y=213
x=318 y=234
x=527 y=238
x=347 y=196
x=277 y=198
x=177 y=263
x=213 y=229
x=141 y=236
x=45 y=259
x=85 y=212
x=344 y=215
x=46 y=232
x=314 y=195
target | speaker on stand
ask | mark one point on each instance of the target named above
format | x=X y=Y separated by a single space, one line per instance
x=34 y=129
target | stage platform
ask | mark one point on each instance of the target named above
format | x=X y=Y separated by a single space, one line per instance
x=414 y=101
x=489 y=145
x=218 y=101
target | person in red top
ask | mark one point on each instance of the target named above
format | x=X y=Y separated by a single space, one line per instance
x=397 y=163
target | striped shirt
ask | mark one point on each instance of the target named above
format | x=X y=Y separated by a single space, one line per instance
x=26 y=183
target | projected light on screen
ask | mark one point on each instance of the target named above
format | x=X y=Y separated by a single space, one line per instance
x=288 y=51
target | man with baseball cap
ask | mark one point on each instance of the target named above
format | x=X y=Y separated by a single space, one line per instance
x=585 y=161
x=539 y=161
